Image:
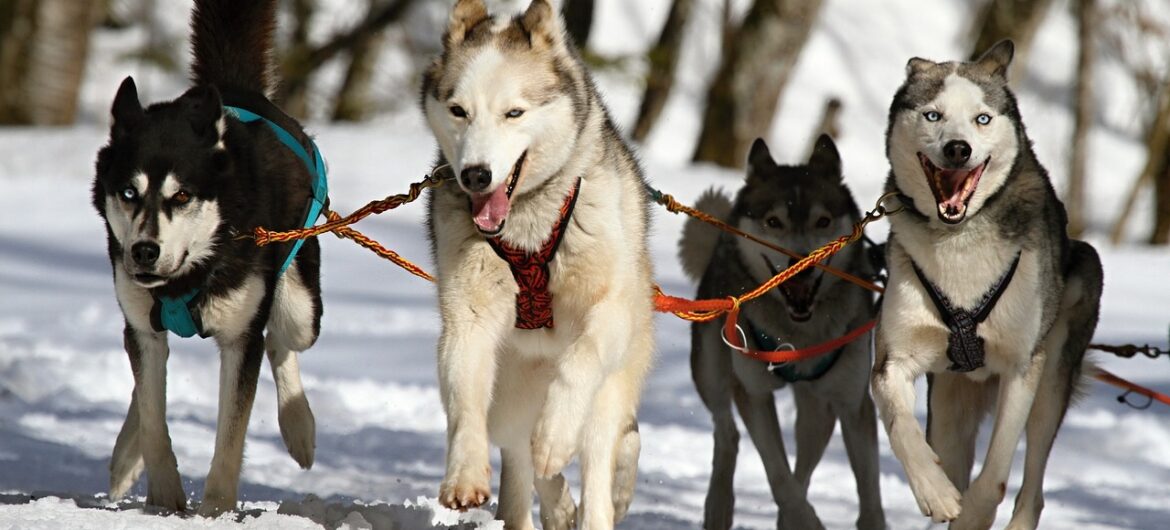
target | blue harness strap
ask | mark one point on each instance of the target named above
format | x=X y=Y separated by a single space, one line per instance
x=313 y=161
x=176 y=314
x=787 y=371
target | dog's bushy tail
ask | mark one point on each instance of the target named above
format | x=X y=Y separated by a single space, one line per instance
x=699 y=238
x=232 y=41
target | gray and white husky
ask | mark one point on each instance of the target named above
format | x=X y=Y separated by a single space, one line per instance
x=176 y=183
x=800 y=208
x=544 y=277
x=987 y=294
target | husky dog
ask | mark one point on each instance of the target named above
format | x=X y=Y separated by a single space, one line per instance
x=987 y=293
x=800 y=208
x=543 y=272
x=176 y=184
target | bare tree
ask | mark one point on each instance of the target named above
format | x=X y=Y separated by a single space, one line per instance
x=742 y=100
x=1007 y=19
x=1140 y=42
x=663 y=63
x=1074 y=199
x=1157 y=170
x=578 y=20
x=303 y=59
x=43 y=49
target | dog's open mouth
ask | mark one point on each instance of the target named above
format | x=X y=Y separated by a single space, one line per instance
x=799 y=292
x=952 y=188
x=490 y=210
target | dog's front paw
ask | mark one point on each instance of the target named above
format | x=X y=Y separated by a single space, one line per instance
x=465 y=488
x=979 y=505
x=936 y=496
x=554 y=441
x=166 y=494
x=214 y=506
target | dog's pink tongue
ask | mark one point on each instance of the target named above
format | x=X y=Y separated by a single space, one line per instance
x=488 y=210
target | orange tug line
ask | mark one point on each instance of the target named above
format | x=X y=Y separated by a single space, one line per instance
x=692 y=310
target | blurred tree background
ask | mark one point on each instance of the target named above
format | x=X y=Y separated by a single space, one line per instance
x=44 y=46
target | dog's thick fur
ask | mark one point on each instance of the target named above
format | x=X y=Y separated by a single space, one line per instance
x=177 y=182
x=1035 y=338
x=510 y=97
x=798 y=207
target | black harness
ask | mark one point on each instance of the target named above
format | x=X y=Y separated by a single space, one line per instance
x=964 y=345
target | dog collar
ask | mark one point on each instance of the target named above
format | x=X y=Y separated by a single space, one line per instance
x=964 y=346
x=180 y=315
x=530 y=269
x=787 y=371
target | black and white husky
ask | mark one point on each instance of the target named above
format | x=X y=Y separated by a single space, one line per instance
x=176 y=184
x=799 y=207
x=987 y=294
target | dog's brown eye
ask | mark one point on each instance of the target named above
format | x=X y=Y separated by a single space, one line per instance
x=181 y=198
x=823 y=222
x=458 y=111
x=774 y=222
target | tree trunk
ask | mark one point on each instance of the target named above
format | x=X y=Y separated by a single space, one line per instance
x=1157 y=150
x=663 y=63
x=578 y=20
x=1074 y=200
x=353 y=99
x=303 y=60
x=742 y=100
x=18 y=25
x=1008 y=19
x=1161 y=174
x=57 y=56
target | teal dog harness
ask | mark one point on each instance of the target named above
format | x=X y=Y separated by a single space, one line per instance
x=180 y=315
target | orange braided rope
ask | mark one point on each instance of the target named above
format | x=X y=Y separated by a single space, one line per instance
x=673 y=206
x=265 y=237
x=692 y=310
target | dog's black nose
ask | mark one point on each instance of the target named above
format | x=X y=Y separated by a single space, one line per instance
x=144 y=253
x=476 y=178
x=957 y=152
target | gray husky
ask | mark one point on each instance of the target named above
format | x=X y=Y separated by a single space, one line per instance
x=543 y=272
x=800 y=208
x=987 y=293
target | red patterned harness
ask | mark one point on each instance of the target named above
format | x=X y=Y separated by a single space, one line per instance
x=534 y=301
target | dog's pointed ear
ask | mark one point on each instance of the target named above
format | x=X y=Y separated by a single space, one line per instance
x=825 y=156
x=204 y=110
x=465 y=15
x=918 y=65
x=996 y=60
x=759 y=159
x=126 y=110
x=542 y=24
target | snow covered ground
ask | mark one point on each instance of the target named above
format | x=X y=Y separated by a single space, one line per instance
x=65 y=382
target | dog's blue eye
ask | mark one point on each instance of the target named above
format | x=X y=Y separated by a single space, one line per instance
x=129 y=194
x=932 y=115
x=983 y=119
x=458 y=111
x=515 y=113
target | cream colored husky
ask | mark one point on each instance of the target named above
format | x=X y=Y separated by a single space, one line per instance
x=543 y=274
